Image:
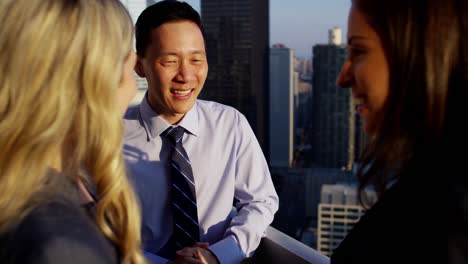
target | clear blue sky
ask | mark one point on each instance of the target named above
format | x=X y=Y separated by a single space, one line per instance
x=299 y=24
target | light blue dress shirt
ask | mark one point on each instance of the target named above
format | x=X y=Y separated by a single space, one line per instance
x=227 y=162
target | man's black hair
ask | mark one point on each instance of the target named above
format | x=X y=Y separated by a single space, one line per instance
x=162 y=12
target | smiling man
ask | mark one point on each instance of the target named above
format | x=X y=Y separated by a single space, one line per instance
x=189 y=159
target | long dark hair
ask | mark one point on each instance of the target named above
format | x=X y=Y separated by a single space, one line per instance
x=427 y=51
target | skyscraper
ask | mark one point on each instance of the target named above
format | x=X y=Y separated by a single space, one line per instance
x=282 y=89
x=237 y=45
x=333 y=113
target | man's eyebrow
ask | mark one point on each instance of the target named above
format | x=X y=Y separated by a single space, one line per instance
x=201 y=52
x=171 y=53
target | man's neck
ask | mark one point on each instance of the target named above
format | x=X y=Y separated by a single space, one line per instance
x=172 y=119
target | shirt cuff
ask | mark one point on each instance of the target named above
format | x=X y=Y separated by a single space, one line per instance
x=227 y=251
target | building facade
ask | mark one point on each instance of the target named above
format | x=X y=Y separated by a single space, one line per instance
x=333 y=114
x=282 y=93
x=237 y=45
x=338 y=212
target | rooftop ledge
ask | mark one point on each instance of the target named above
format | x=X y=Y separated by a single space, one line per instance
x=278 y=247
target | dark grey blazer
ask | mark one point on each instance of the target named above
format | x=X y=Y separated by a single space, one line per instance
x=393 y=230
x=58 y=231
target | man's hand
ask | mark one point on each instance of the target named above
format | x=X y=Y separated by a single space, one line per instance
x=198 y=254
x=207 y=256
x=187 y=260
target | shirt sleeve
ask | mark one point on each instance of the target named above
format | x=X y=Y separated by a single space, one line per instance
x=258 y=201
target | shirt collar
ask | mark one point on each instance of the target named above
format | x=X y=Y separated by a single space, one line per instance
x=155 y=125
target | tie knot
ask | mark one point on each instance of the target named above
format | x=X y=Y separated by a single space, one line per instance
x=174 y=134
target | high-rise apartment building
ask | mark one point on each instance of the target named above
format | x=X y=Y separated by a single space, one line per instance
x=333 y=115
x=338 y=212
x=237 y=45
x=304 y=67
x=283 y=82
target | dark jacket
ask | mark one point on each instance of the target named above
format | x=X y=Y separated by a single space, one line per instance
x=57 y=231
x=394 y=230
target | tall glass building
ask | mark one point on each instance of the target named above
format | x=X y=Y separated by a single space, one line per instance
x=237 y=44
x=333 y=114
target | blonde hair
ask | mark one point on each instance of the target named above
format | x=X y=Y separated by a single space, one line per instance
x=60 y=68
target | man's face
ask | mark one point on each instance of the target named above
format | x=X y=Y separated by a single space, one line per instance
x=175 y=67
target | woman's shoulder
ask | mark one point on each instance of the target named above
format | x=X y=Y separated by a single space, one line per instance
x=385 y=233
x=58 y=232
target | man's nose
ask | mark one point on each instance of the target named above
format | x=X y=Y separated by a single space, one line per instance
x=186 y=72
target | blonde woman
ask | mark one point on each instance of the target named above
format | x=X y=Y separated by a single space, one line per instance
x=66 y=77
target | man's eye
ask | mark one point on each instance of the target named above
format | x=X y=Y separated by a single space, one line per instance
x=169 y=63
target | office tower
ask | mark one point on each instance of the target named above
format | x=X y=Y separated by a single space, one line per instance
x=315 y=178
x=237 y=45
x=304 y=67
x=135 y=7
x=296 y=89
x=282 y=89
x=338 y=212
x=299 y=190
x=333 y=114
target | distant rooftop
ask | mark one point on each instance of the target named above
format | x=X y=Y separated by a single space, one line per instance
x=344 y=194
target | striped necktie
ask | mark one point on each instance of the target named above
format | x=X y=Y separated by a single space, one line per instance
x=184 y=203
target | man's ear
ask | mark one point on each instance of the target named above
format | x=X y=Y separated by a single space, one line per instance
x=139 y=68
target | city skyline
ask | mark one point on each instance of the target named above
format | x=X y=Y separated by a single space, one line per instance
x=289 y=19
